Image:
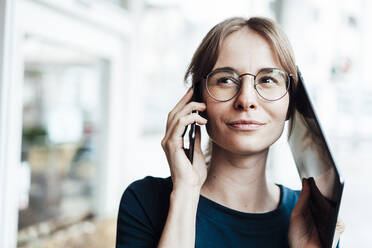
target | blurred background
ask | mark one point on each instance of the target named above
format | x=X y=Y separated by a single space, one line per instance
x=90 y=84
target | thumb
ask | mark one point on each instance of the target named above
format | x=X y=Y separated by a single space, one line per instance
x=197 y=146
x=303 y=199
x=198 y=153
x=340 y=227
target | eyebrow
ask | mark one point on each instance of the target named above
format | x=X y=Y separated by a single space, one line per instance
x=226 y=68
x=234 y=70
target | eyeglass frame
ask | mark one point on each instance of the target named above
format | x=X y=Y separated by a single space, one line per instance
x=289 y=78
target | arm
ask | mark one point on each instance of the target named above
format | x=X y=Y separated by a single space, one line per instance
x=187 y=177
x=179 y=229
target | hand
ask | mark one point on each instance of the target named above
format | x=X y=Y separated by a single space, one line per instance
x=183 y=173
x=303 y=231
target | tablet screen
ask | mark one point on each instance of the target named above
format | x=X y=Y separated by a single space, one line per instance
x=314 y=159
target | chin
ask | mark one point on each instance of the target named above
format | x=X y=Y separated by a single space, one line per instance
x=246 y=146
x=243 y=145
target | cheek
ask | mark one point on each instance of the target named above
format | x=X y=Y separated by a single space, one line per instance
x=277 y=114
x=212 y=107
x=278 y=110
x=214 y=114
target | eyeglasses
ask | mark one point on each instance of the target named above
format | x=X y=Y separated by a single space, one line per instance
x=271 y=84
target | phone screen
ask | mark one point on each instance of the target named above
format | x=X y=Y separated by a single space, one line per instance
x=314 y=159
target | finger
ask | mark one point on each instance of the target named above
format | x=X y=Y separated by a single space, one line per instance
x=198 y=154
x=197 y=146
x=340 y=227
x=184 y=100
x=187 y=120
x=175 y=134
x=179 y=127
x=303 y=199
x=191 y=106
x=187 y=110
x=199 y=160
x=181 y=121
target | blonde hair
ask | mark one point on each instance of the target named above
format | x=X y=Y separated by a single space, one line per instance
x=207 y=53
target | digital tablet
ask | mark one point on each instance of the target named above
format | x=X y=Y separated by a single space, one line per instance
x=314 y=160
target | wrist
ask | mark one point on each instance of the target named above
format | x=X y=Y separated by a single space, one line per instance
x=184 y=204
x=185 y=197
x=185 y=193
x=186 y=188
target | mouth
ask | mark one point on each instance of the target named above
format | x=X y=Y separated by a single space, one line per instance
x=245 y=125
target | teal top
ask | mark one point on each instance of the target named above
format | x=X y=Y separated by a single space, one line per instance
x=144 y=209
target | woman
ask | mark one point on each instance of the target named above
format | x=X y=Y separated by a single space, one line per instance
x=244 y=73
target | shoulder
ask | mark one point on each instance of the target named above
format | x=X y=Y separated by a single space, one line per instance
x=147 y=199
x=148 y=190
x=150 y=185
x=289 y=198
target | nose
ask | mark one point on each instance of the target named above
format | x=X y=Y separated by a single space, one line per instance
x=247 y=97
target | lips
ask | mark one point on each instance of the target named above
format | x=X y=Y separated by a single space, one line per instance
x=245 y=125
x=245 y=122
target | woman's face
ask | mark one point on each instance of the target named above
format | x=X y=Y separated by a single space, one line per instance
x=246 y=52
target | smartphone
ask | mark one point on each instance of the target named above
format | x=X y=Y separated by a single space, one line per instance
x=315 y=161
x=196 y=97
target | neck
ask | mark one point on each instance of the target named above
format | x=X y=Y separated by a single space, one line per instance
x=239 y=181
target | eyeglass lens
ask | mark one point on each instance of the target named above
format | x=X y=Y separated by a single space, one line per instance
x=271 y=84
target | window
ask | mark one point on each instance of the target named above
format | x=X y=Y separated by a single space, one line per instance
x=61 y=129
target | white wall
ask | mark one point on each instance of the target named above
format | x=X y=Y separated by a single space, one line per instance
x=10 y=125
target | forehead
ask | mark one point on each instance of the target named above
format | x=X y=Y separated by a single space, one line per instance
x=246 y=51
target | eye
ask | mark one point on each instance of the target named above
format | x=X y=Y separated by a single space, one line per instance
x=225 y=80
x=267 y=80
